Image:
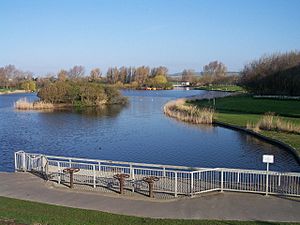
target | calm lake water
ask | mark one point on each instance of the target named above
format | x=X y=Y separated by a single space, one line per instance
x=139 y=132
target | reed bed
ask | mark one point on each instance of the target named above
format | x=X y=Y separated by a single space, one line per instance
x=270 y=122
x=24 y=104
x=187 y=113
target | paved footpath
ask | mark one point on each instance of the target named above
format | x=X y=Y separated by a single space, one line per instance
x=223 y=206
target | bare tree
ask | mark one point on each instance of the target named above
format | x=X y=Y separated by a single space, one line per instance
x=188 y=75
x=76 y=72
x=141 y=74
x=62 y=75
x=123 y=74
x=215 y=69
x=157 y=71
x=112 y=75
x=95 y=75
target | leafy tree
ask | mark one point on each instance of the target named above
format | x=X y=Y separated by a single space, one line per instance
x=29 y=86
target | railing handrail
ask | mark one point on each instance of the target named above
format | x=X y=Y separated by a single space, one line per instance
x=158 y=166
x=50 y=157
x=174 y=179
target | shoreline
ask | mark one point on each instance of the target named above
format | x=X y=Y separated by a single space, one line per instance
x=14 y=92
x=218 y=94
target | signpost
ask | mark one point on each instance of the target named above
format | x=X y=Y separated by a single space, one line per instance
x=268 y=159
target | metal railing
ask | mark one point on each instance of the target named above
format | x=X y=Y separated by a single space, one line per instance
x=174 y=180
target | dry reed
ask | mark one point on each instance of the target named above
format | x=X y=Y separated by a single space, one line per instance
x=270 y=122
x=177 y=109
x=24 y=104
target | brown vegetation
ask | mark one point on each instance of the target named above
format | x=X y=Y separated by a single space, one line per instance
x=277 y=74
x=177 y=109
x=24 y=104
x=270 y=122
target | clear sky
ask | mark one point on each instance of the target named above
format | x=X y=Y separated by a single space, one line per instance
x=45 y=36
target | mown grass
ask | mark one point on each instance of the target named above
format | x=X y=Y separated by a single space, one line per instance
x=248 y=104
x=244 y=109
x=231 y=88
x=37 y=213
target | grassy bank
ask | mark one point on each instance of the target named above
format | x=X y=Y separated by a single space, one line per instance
x=26 y=212
x=229 y=88
x=244 y=109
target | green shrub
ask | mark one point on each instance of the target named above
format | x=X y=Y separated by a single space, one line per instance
x=81 y=93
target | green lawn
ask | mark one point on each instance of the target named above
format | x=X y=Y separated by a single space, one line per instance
x=243 y=109
x=248 y=104
x=231 y=88
x=37 y=213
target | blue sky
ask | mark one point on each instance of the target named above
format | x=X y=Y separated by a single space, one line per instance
x=45 y=36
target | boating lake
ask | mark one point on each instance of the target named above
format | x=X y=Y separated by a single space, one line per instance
x=139 y=132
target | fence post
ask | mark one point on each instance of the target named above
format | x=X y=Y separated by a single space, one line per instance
x=94 y=171
x=164 y=171
x=70 y=163
x=175 y=188
x=58 y=169
x=222 y=180
x=267 y=180
x=131 y=172
x=42 y=164
x=192 y=183
x=99 y=166
x=24 y=161
x=16 y=164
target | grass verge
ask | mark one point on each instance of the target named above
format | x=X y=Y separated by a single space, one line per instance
x=243 y=109
x=26 y=212
x=230 y=88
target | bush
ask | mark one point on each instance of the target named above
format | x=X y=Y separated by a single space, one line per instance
x=81 y=93
x=277 y=74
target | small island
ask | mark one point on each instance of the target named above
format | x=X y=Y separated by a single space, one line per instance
x=73 y=93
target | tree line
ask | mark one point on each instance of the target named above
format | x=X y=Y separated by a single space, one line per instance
x=13 y=78
x=271 y=74
x=275 y=74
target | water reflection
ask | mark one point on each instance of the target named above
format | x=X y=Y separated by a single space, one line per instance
x=103 y=111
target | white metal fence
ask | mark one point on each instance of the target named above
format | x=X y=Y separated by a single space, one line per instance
x=175 y=180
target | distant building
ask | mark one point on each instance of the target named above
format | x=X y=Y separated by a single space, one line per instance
x=185 y=83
